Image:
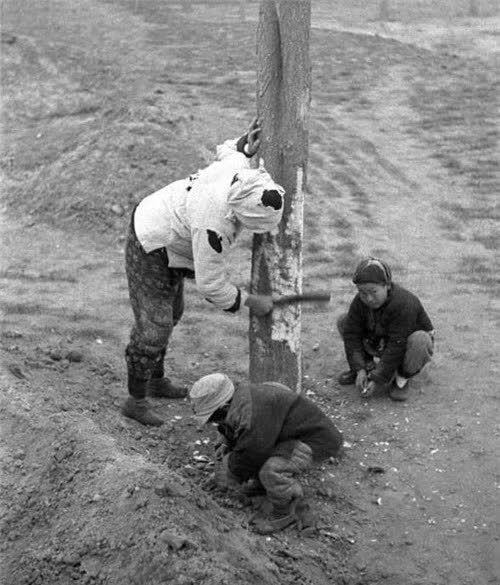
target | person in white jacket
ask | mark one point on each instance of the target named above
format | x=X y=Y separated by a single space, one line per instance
x=185 y=230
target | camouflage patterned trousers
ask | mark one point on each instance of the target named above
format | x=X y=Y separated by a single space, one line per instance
x=279 y=473
x=157 y=298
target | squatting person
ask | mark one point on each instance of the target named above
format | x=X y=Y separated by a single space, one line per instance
x=185 y=230
x=271 y=435
x=388 y=336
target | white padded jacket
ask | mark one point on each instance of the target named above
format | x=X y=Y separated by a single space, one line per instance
x=198 y=218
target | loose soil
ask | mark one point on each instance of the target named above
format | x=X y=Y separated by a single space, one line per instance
x=106 y=101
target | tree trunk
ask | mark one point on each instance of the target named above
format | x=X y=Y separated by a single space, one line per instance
x=283 y=97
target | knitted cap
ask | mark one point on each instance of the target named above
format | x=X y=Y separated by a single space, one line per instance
x=256 y=200
x=208 y=394
x=372 y=270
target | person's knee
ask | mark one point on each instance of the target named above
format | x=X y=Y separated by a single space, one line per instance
x=418 y=352
x=270 y=471
x=341 y=324
x=419 y=342
x=148 y=343
x=278 y=480
x=154 y=340
x=154 y=327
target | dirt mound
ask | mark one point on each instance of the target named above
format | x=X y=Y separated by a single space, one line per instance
x=83 y=510
x=126 y=505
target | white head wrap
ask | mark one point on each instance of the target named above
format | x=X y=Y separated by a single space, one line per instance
x=208 y=394
x=256 y=200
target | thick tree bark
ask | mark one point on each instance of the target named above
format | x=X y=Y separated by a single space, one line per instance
x=283 y=97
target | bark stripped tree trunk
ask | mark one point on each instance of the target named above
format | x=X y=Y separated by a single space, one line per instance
x=283 y=97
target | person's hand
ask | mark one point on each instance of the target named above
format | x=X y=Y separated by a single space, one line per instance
x=361 y=380
x=260 y=305
x=221 y=449
x=223 y=477
x=369 y=389
x=253 y=137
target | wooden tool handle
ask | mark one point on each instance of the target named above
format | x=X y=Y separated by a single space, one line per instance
x=303 y=298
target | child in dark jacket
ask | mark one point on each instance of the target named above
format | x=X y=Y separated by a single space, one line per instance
x=388 y=336
x=271 y=434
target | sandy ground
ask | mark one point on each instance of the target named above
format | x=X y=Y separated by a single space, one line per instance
x=103 y=102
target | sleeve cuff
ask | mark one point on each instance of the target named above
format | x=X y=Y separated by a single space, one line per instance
x=242 y=146
x=240 y=301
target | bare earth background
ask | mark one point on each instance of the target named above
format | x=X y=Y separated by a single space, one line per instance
x=106 y=101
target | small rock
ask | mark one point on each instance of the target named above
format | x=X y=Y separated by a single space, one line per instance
x=326 y=491
x=141 y=503
x=169 y=489
x=163 y=490
x=117 y=209
x=224 y=527
x=70 y=559
x=92 y=567
x=8 y=38
x=74 y=356
x=12 y=334
x=56 y=354
x=174 y=541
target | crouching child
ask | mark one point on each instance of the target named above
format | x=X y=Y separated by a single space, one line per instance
x=388 y=336
x=271 y=436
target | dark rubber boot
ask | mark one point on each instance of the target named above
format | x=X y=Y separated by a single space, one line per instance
x=139 y=410
x=164 y=388
x=280 y=518
x=399 y=394
x=161 y=387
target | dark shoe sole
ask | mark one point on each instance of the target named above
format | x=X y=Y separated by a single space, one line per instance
x=346 y=379
x=399 y=395
x=144 y=417
x=271 y=526
x=171 y=395
x=163 y=388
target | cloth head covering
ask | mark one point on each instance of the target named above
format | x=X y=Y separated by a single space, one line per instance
x=256 y=200
x=372 y=270
x=208 y=394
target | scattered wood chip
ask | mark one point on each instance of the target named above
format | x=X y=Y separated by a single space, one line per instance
x=17 y=371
